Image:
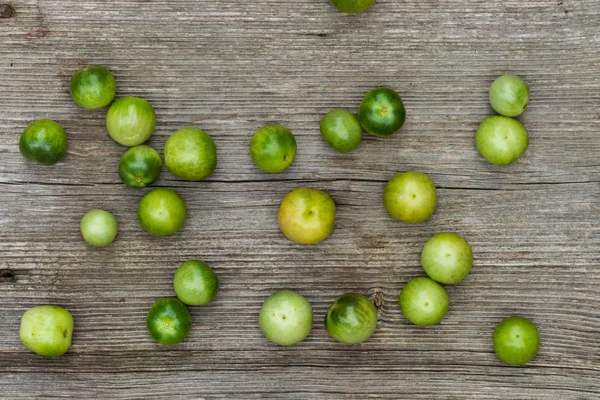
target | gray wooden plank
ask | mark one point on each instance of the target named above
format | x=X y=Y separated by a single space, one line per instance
x=230 y=67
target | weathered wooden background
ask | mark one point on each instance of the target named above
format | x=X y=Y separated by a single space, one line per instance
x=231 y=66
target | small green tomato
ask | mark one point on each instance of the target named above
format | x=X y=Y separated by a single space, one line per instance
x=352 y=6
x=341 y=130
x=381 y=112
x=93 y=87
x=47 y=330
x=99 y=228
x=509 y=95
x=351 y=319
x=169 y=321
x=162 y=212
x=423 y=301
x=306 y=216
x=516 y=340
x=286 y=318
x=447 y=258
x=130 y=121
x=501 y=140
x=410 y=197
x=273 y=148
x=43 y=141
x=195 y=283
x=190 y=154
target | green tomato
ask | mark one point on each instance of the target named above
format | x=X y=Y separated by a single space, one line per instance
x=501 y=140
x=130 y=121
x=162 y=212
x=307 y=216
x=169 y=321
x=447 y=258
x=93 y=87
x=190 y=154
x=43 y=141
x=47 y=330
x=195 y=283
x=351 y=319
x=140 y=166
x=516 y=340
x=99 y=228
x=423 y=301
x=509 y=95
x=273 y=148
x=381 y=112
x=410 y=197
x=341 y=130
x=286 y=318
x=352 y=6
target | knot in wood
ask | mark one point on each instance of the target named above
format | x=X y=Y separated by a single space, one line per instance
x=6 y=11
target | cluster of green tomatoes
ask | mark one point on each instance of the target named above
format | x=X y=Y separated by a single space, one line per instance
x=306 y=216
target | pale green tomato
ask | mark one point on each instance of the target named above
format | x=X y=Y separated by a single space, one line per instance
x=286 y=318
x=47 y=330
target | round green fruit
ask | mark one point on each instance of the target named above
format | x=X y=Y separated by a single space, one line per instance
x=130 y=121
x=169 y=321
x=381 y=112
x=43 y=141
x=341 y=130
x=501 y=140
x=140 y=166
x=509 y=95
x=423 y=301
x=162 y=212
x=195 y=283
x=516 y=340
x=93 y=87
x=47 y=330
x=286 y=318
x=352 y=6
x=273 y=148
x=307 y=216
x=351 y=319
x=190 y=154
x=410 y=197
x=99 y=228
x=447 y=258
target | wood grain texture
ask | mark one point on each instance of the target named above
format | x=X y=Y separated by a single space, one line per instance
x=231 y=66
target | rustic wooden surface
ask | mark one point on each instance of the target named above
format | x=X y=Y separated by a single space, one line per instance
x=231 y=66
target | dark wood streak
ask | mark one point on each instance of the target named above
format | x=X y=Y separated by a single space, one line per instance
x=231 y=66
